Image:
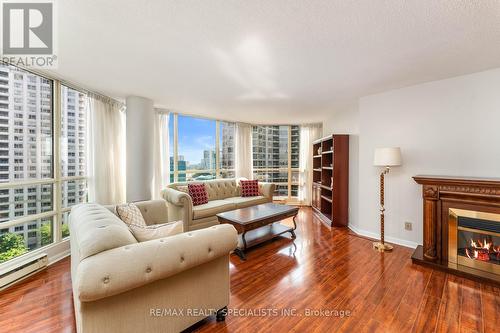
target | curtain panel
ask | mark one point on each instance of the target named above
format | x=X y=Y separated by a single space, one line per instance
x=243 y=161
x=161 y=153
x=308 y=134
x=106 y=149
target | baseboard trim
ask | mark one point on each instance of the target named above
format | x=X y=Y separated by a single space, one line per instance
x=389 y=239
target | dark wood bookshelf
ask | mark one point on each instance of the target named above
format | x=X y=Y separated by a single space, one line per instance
x=330 y=186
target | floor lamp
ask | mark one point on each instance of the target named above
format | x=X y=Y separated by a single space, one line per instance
x=387 y=158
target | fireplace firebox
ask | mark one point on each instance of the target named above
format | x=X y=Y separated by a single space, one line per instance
x=474 y=241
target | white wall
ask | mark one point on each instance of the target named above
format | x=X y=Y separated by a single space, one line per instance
x=449 y=127
x=140 y=143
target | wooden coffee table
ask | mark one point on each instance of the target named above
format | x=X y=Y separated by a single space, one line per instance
x=256 y=224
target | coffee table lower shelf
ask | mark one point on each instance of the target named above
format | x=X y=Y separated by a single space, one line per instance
x=260 y=235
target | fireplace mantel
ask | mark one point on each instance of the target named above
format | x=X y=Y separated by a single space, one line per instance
x=440 y=193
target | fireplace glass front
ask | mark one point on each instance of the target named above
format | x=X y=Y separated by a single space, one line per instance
x=476 y=238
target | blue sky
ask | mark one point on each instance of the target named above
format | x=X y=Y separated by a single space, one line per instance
x=195 y=136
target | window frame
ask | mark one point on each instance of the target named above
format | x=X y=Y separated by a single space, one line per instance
x=175 y=150
x=59 y=247
x=218 y=170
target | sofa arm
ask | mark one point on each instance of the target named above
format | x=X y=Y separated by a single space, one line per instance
x=267 y=189
x=180 y=206
x=124 y=268
x=175 y=197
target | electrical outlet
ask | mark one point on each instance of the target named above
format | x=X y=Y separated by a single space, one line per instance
x=408 y=226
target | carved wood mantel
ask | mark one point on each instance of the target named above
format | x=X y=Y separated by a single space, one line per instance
x=442 y=193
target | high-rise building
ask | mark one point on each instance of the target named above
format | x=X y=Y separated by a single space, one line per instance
x=270 y=151
x=26 y=149
x=181 y=169
x=227 y=146
x=208 y=160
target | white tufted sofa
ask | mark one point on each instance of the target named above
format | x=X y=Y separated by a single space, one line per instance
x=223 y=195
x=120 y=285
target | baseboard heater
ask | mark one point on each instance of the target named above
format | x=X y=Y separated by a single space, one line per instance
x=23 y=270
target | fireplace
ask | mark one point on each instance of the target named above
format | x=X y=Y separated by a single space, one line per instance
x=474 y=241
x=461 y=226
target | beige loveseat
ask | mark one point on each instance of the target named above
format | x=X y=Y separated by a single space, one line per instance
x=162 y=285
x=223 y=195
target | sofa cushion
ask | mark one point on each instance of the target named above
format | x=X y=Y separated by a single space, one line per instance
x=211 y=208
x=156 y=231
x=242 y=202
x=198 y=194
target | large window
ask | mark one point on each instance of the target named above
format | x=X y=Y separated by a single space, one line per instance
x=42 y=160
x=276 y=158
x=200 y=149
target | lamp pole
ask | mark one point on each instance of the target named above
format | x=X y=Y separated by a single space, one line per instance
x=381 y=246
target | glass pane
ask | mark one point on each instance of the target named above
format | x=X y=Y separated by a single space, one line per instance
x=226 y=146
x=281 y=190
x=479 y=246
x=25 y=125
x=196 y=148
x=73 y=192
x=270 y=147
x=73 y=129
x=20 y=239
x=198 y=175
x=25 y=200
x=227 y=174
x=271 y=176
x=65 y=225
x=295 y=146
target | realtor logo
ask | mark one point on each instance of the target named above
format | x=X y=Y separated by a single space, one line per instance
x=28 y=29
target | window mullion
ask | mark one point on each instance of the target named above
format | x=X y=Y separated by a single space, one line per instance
x=176 y=157
x=289 y=162
x=56 y=222
x=217 y=146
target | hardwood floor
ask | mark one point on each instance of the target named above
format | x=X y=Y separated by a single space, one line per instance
x=321 y=270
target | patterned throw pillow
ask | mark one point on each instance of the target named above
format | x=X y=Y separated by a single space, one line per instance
x=198 y=194
x=130 y=214
x=155 y=231
x=249 y=188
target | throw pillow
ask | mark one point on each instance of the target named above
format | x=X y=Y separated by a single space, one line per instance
x=198 y=194
x=155 y=231
x=130 y=214
x=249 y=188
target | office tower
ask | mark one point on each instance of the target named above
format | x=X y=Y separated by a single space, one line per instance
x=270 y=151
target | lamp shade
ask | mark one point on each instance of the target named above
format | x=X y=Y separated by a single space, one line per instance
x=387 y=157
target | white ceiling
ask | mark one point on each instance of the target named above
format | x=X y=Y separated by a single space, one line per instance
x=271 y=61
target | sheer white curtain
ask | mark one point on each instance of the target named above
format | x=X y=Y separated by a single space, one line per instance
x=308 y=134
x=106 y=150
x=243 y=161
x=161 y=153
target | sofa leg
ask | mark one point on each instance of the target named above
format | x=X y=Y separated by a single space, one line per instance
x=221 y=314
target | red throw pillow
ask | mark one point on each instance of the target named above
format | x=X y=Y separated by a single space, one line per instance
x=249 y=188
x=198 y=194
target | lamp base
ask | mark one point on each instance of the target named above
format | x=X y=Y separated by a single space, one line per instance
x=382 y=247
